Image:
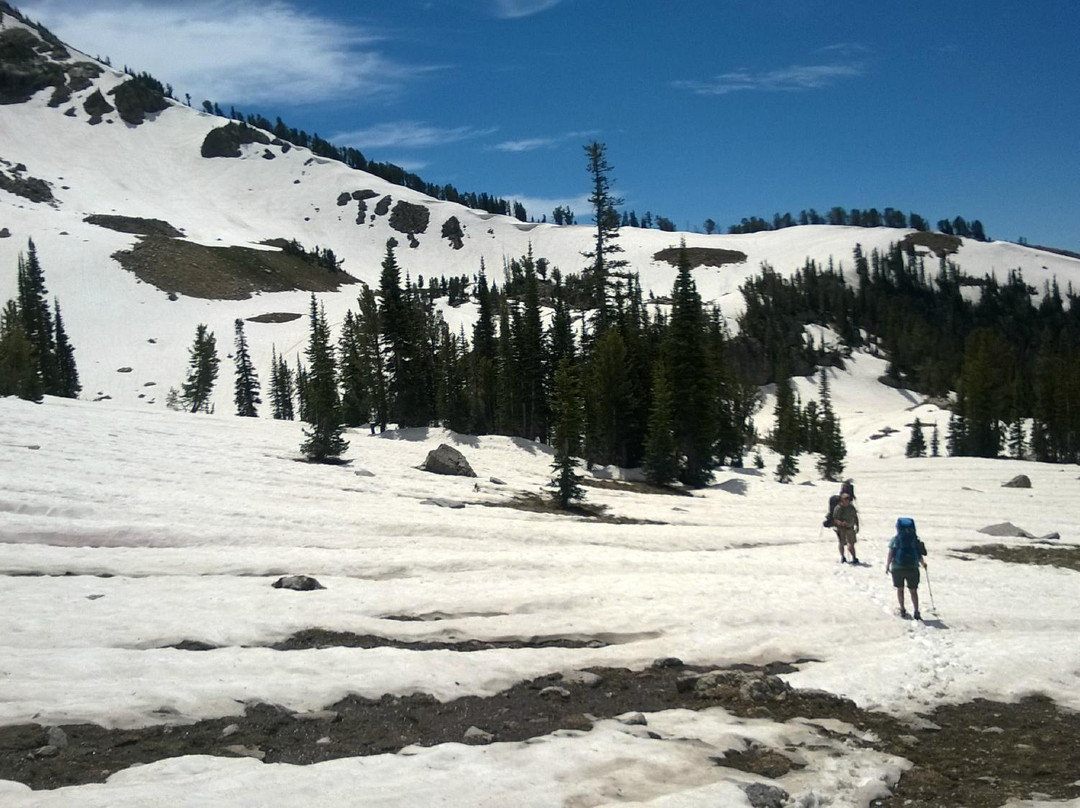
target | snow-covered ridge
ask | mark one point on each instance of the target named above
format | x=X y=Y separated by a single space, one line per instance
x=155 y=171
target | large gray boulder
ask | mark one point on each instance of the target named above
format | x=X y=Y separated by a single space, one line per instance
x=1019 y=481
x=448 y=460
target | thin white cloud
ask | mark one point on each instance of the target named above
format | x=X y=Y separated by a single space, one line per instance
x=515 y=9
x=796 y=77
x=536 y=143
x=845 y=49
x=233 y=52
x=408 y=135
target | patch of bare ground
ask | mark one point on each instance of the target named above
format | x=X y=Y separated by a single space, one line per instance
x=134 y=225
x=1064 y=557
x=275 y=317
x=980 y=754
x=313 y=638
x=940 y=244
x=538 y=503
x=701 y=256
x=636 y=487
x=224 y=273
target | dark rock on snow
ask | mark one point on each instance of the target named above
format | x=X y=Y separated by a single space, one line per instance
x=299 y=583
x=1019 y=481
x=1006 y=529
x=448 y=460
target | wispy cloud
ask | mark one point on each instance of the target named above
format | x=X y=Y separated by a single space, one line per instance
x=234 y=52
x=788 y=79
x=536 y=143
x=845 y=49
x=408 y=135
x=513 y=9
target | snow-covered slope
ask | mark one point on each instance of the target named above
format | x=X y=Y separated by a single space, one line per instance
x=127 y=529
x=155 y=171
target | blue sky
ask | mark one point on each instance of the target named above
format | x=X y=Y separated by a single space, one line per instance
x=716 y=109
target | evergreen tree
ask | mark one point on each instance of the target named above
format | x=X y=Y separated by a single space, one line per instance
x=607 y=392
x=693 y=378
x=566 y=412
x=37 y=318
x=916 y=445
x=67 y=374
x=324 y=443
x=602 y=261
x=202 y=371
x=1017 y=444
x=300 y=379
x=281 y=387
x=661 y=448
x=935 y=442
x=483 y=365
x=19 y=374
x=786 y=431
x=833 y=450
x=246 y=388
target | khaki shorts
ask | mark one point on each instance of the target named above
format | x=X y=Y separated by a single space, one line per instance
x=845 y=535
x=905 y=576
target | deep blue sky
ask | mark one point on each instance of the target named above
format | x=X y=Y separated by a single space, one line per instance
x=713 y=109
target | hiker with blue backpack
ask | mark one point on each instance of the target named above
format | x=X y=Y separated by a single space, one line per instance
x=906 y=553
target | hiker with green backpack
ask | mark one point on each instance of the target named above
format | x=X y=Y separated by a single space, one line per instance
x=906 y=553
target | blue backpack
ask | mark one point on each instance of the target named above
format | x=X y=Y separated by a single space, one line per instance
x=909 y=549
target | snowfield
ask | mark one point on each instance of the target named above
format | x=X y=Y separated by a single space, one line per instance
x=126 y=530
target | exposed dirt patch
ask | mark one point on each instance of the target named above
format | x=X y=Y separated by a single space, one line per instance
x=978 y=754
x=940 y=244
x=323 y=638
x=134 y=225
x=636 y=487
x=224 y=273
x=1065 y=557
x=275 y=317
x=701 y=256
x=537 y=503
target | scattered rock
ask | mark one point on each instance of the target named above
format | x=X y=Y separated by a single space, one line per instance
x=232 y=729
x=475 y=735
x=57 y=737
x=1019 y=481
x=667 y=662
x=754 y=686
x=761 y=795
x=246 y=751
x=553 y=692
x=123 y=370
x=633 y=719
x=1006 y=529
x=586 y=678
x=448 y=460
x=323 y=741
x=45 y=752
x=299 y=583
x=1054 y=536
x=318 y=715
x=495 y=481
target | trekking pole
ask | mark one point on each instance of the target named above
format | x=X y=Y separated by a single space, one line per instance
x=930 y=589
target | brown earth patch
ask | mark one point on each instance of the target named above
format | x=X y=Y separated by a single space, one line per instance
x=1065 y=557
x=701 y=256
x=314 y=638
x=275 y=317
x=940 y=244
x=224 y=273
x=980 y=754
x=134 y=225
x=636 y=487
x=538 y=503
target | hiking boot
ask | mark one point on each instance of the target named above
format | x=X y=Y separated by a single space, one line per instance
x=917 y=616
x=903 y=613
x=843 y=560
x=854 y=560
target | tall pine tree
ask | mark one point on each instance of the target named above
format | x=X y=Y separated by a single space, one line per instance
x=322 y=415
x=202 y=371
x=246 y=387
